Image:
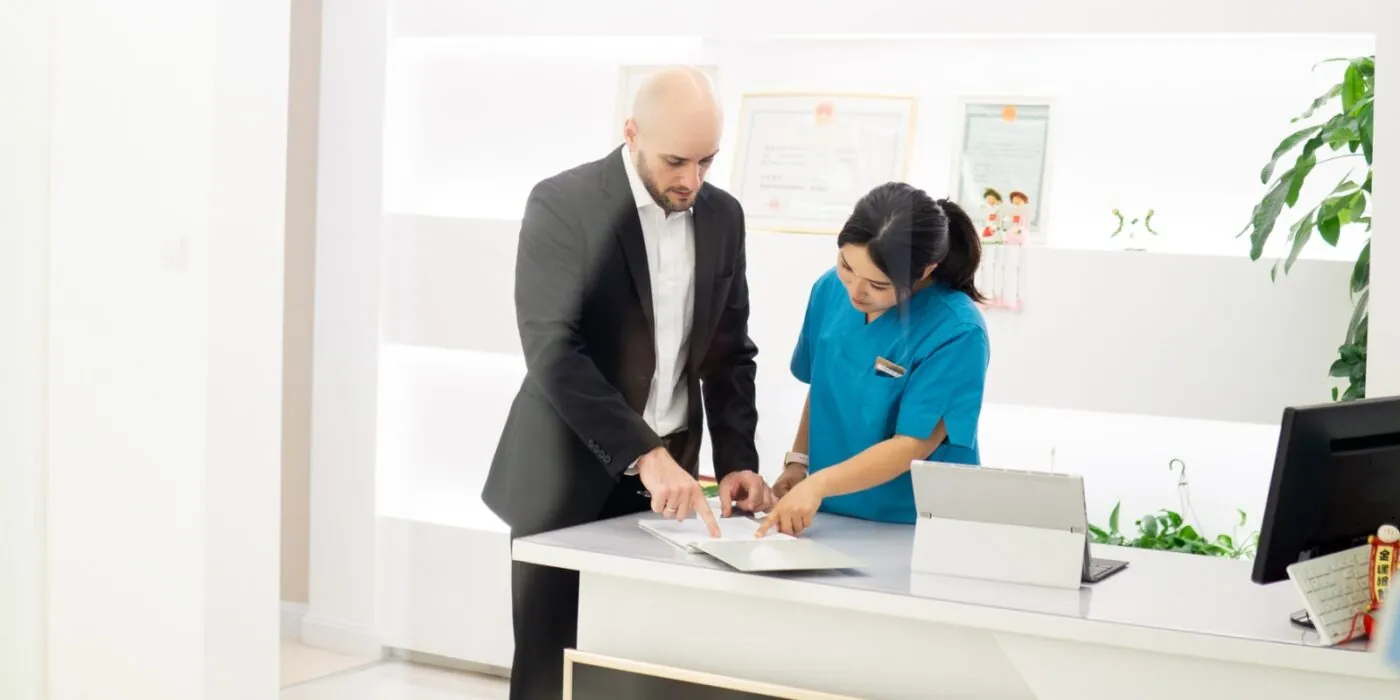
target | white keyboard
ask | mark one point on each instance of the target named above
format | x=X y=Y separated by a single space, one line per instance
x=1335 y=589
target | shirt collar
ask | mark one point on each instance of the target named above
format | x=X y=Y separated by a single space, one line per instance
x=640 y=195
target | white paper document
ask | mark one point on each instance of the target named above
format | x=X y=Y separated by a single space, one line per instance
x=717 y=508
x=690 y=532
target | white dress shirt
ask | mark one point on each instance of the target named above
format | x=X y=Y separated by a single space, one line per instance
x=670 y=243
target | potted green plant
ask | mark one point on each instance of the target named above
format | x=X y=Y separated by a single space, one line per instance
x=1341 y=126
x=1169 y=530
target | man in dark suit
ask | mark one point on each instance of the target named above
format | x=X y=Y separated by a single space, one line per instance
x=633 y=306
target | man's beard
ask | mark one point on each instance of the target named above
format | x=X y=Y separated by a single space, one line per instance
x=657 y=195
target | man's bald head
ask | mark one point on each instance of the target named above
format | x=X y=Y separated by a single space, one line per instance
x=674 y=134
x=676 y=92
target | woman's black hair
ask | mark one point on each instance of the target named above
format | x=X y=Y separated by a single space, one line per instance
x=904 y=231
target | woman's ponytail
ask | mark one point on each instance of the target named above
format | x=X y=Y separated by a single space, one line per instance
x=959 y=266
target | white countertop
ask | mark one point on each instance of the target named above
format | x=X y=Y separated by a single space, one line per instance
x=1171 y=603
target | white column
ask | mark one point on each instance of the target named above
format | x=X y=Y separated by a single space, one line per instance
x=1383 y=346
x=167 y=159
x=26 y=73
x=341 y=612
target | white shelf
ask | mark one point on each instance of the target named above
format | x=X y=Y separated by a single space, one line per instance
x=444 y=410
x=493 y=224
x=452 y=503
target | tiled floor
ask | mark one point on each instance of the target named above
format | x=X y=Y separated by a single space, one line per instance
x=399 y=680
x=301 y=663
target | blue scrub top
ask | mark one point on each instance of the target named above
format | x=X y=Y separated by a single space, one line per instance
x=940 y=341
x=1388 y=628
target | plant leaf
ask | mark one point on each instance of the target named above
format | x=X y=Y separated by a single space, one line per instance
x=1366 y=65
x=1359 y=316
x=1287 y=144
x=1319 y=103
x=1301 y=232
x=1340 y=369
x=1357 y=390
x=1266 y=215
x=1329 y=223
x=1361 y=271
x=1113 y=517
x=1366 y=131
x=1339 y=131
x=1301 y=168
x=1330 y=228
x=1353 y=87
x=1351 y=354
x=1346 y=185
x=1149 y=526
x=1355 y=209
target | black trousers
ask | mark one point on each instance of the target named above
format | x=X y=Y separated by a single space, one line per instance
x=545 y=603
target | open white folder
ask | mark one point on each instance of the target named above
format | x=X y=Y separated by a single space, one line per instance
x=739 y=546
x=691 y=532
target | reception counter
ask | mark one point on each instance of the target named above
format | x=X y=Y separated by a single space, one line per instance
x=1170 y=626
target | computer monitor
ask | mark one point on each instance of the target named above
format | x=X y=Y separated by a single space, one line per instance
x=1336 y=479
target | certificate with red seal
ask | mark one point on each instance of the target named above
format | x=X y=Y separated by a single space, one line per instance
x=805 y=159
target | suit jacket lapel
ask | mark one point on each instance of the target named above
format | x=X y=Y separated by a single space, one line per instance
x=706 y=266
x=628 y=226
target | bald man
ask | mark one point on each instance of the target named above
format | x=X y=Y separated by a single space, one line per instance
x=632 y=305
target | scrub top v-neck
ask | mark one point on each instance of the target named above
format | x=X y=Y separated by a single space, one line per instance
x=937 y=347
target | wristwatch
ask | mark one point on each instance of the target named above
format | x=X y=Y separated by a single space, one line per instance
x=796 y=458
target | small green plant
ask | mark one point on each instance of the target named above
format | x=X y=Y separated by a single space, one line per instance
x=1131 y=224
x=1166 y=530
x=711 y=489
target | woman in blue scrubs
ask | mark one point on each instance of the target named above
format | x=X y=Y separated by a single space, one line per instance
x=894 y=352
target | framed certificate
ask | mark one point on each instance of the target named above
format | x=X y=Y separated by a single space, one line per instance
x=629 y=83
x=589 y=676
x=1001 y=164
x=804 y=159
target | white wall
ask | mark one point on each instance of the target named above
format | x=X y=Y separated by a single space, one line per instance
x=341 y=583
x=1142 y=122
x=303 y=113
x=26 y=71
x=1383 y=351
x=164 y=338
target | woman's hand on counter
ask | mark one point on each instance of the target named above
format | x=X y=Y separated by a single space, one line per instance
x=795 y=510
x=793 y=474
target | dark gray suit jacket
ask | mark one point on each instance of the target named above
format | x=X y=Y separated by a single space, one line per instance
x=583 y=306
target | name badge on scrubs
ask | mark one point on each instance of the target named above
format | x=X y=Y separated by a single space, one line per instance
x=887 y=368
